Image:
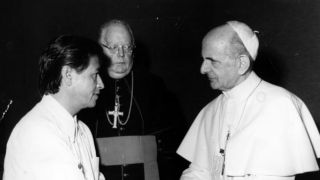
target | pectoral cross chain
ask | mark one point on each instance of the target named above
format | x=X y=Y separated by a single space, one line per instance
x=116 y=112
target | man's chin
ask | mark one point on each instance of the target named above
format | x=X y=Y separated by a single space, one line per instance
x=92 y=105
x=214 y=86
x=118 y=75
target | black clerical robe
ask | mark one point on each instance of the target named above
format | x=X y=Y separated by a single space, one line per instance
x=147 y=117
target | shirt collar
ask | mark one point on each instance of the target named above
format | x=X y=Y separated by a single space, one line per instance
x=245 y=88
x=64 y=120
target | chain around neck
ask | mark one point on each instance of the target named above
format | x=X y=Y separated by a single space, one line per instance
x=123 y=123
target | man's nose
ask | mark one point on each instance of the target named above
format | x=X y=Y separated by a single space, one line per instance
x=100 y=84
x=204 y=67
x=120 y=51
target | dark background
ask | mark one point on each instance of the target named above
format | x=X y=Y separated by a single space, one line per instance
x=169 y=34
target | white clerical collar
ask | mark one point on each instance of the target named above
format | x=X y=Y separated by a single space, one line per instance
x=245 y=88
x=65 y=122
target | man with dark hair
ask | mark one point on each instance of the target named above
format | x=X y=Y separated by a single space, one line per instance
x=49 y=142
x=254 y=130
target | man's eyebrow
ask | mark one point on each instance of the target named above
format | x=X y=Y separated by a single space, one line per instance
x=210 y=59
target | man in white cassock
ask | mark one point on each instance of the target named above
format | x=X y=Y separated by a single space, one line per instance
x=49 y=142
x=253 y=129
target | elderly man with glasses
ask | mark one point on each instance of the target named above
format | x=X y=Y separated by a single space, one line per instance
x=130 y=117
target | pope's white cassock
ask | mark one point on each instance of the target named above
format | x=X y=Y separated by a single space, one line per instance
x=255 y=131
x=48 y=143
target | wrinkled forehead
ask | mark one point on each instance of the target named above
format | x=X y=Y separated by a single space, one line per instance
x=115 y=34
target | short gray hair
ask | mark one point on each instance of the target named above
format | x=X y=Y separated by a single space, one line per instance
x=117 y=22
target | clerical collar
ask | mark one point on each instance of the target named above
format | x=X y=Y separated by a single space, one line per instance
x=243 y=89
x=63 y=119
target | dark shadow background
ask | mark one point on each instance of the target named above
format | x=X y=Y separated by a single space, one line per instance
x=170 y=32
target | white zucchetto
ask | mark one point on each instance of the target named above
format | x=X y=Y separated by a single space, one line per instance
x=247 y=36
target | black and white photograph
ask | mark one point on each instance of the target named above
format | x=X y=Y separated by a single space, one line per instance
x=160 y=90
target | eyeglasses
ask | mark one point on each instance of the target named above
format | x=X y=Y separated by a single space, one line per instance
x=127 y=49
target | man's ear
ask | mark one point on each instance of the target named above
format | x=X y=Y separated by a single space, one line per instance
x=244 y=64
x=66 y=75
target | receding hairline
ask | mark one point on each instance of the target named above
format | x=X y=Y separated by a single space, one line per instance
x=113 y=23
x=223 y=33
x=220 y=37
x=227 y=37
